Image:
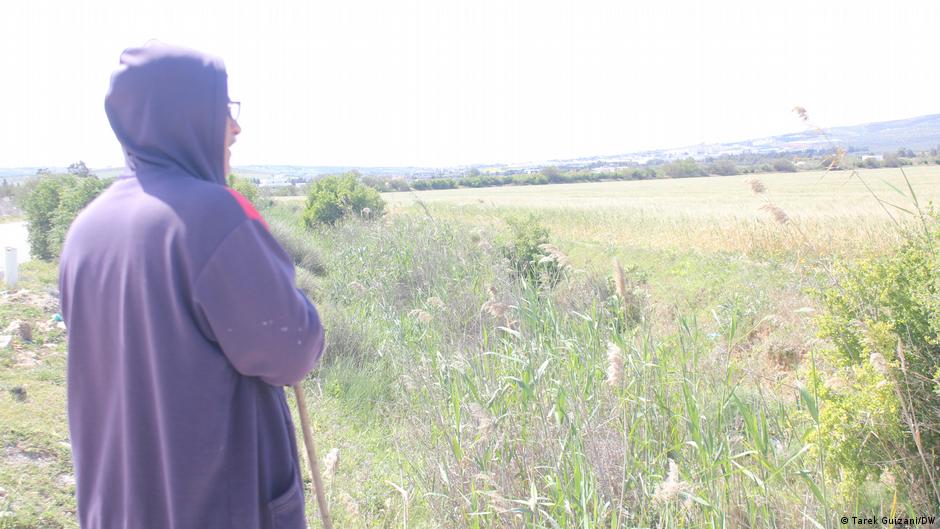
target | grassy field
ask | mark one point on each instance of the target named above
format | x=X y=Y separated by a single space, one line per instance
x=816 y=194
x=836 y=212
x=459 y=394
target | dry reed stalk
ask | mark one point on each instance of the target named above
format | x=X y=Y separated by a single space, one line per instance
x=757 y=186
x=421 y=315
x=436 y=302
x=349 y=504
x=777 y=212
x=912 y=421
x=554 y=254
x=331 y=462
x=670 y=489
x=484 y=418
x=837 y=158
x=614 y=365
x=495 y=309
x=620 y=282
x=801 y=112
x=878 y=363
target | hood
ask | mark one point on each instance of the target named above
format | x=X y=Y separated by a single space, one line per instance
x=168 y=107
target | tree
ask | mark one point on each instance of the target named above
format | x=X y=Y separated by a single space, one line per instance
x=398 y=184
x=245 y=188
x=52 y=205
x=891 y=160
x=784 y=166
x=684 y=168
x=79 y=169
x=375 y=182
x=723 y=168
x=552 y=174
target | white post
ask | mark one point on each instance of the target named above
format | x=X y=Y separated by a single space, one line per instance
x=10 y=269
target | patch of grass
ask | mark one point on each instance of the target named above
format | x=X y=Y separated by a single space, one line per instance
x=36 y=470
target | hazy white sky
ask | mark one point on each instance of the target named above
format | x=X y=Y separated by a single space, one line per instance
x=447 y=82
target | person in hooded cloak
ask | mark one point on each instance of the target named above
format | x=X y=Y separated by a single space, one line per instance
x=183 y=320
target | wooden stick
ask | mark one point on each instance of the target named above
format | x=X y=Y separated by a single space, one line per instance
x=312 y=456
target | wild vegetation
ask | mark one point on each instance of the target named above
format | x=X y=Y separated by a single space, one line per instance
x=52 y=204
x=734 y=352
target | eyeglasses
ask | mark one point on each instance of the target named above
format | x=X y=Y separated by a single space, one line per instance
x=234 y=109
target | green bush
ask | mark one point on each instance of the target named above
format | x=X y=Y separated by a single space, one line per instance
x=552 y=174
x=398 y=184
x=421 y=184
x=723 y=168
x=333 y=197
x=536 y=179
x=246 y=188
x=51 y=207
x=524 y=249
x=443 y=183
x=375 y=182
x=684 y=169
x=643 y=174
x=784 y=166
x=882 y=318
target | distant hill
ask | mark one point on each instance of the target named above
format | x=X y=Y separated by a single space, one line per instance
x=297 y=171
x=919 y=133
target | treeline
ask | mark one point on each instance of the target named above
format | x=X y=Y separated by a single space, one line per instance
x=548 y=175
x=725 y=165
x=13 y=195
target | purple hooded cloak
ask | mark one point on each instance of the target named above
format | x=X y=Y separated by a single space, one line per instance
x=183 y=322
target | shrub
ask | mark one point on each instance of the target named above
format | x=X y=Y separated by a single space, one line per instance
x=40 y=208
x=51 y=207
x=892 y=160
x=375 y=182
x=723 y=168
x=334 y=197
x=398 y=184
x=443 y=183
x=486 y=181
x=524 y=249
x=246 y=188
x=684 y=169
x=784 y=166
x=883 y=320
x=529 y=179
x=552 y=174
